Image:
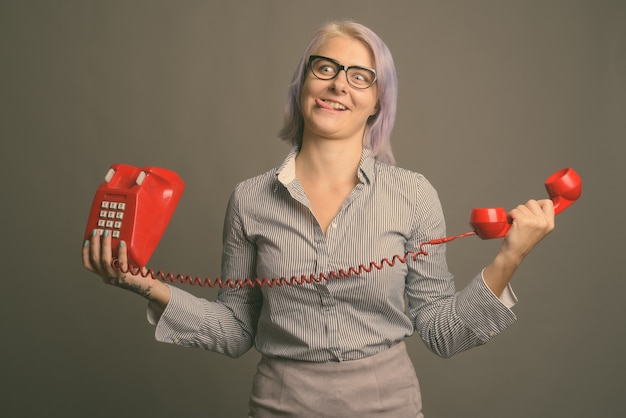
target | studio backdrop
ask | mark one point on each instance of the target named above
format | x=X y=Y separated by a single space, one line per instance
x=494 y=97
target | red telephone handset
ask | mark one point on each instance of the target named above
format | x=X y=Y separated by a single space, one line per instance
x=564 y=188
x=135 y=205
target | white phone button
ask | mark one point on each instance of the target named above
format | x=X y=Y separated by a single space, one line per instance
x=140 y=178
x=109 y=175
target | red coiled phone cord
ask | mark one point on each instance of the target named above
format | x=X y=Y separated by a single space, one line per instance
x=293 y=280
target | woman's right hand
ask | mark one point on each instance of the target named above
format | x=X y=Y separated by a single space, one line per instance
x=98 y=257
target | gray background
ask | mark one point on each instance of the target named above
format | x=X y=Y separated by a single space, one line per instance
x=494 y=97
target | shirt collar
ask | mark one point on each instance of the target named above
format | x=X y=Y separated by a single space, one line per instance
x=286 y=173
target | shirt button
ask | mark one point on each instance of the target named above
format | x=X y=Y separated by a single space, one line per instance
x=334 y=225
x=492 y=333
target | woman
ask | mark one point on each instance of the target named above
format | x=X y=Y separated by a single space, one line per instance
x=335 y=348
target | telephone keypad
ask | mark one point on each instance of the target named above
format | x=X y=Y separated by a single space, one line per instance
x=111 y=217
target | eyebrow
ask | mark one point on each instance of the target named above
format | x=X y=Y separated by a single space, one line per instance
x=342 y=65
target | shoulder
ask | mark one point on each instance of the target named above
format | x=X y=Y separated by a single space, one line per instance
x=401 y=178
x=257 y=183
x=251 y=193
x=406 y=188
x=414 y=192
x=258 y=190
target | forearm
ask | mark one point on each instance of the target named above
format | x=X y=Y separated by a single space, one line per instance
x=159 y=293
x=499 y=272
x=151 y=289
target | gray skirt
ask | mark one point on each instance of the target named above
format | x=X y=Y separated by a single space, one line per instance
x=383 y=385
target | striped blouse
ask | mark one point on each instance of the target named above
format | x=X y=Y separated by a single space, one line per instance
x=271 y=232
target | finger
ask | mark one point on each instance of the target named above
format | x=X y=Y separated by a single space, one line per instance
x=520 y=212
x=547 y=207
x=85 y=255
x=547 y=211
x=106 y=257
x=530 y=209
x=109 y=275
x=542 y=212
x=131 y=273
x=533 y=207
x=122 y=256
x=538 y=215
x=92 y=255
x=94 y=250
x=539 y=207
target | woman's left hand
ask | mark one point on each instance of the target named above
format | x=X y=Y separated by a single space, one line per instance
x=531 y=223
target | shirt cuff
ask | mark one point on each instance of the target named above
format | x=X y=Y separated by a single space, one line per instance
x=154 y=313
x=181 y=320
x=508 y=297
x=482 y=312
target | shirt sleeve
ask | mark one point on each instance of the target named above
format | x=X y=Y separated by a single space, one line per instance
x=449 y=321
x=226 y=326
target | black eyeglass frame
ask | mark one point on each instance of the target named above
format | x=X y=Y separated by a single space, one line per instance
x=341 y=67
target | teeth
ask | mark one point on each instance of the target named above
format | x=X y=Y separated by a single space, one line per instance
x=335 y=105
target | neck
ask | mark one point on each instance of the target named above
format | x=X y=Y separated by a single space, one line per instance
x=332 y=161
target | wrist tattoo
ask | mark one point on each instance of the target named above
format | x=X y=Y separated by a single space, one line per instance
x=122 y=283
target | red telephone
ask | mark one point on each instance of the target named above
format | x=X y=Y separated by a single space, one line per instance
x=135 y=205
x=564 y=187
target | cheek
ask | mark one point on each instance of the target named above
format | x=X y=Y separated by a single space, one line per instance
x=373 y=106
x=305 y=94
x=370 y=101
x=376 y=101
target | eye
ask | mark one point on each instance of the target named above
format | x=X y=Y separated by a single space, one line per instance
x=326 y=68
x=361 y=76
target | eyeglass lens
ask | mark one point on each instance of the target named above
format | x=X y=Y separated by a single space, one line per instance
x=326 y=69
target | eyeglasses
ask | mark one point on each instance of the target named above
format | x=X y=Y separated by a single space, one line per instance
x=327 y=68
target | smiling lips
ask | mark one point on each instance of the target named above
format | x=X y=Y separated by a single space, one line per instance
x=329 y=104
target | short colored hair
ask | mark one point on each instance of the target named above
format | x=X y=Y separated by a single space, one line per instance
x=377 y=136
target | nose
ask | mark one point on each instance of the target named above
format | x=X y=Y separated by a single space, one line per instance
x=340 y=82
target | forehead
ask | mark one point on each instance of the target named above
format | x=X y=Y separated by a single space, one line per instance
x=348 y=51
